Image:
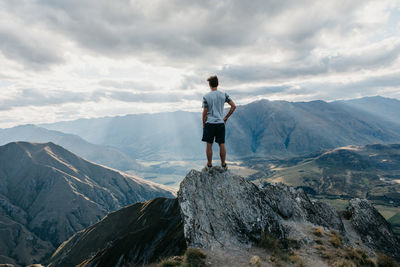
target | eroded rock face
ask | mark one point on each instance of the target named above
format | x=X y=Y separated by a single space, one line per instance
x=373 y=229
x=222 y=210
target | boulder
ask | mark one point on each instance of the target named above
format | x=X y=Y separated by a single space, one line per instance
x=223 y=210
x=374 y=230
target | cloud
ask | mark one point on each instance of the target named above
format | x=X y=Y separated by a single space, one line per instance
x=193 y=31
x=55 y=54
x=383 y=54
x=26 y=97
x=38 y=97
x=140 y=86
x=32 y=47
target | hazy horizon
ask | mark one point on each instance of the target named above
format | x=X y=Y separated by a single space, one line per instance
x=177 y=110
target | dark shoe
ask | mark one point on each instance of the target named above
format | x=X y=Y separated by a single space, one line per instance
x=208 y=167
x=224 y=167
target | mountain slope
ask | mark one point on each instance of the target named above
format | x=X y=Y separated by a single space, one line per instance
x=99 y=154
x=54 y=193
x=262 y=128
x=170 y=135
x=388 y=109
x=142 y=233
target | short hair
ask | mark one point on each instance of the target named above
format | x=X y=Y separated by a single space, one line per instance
x=213 y=81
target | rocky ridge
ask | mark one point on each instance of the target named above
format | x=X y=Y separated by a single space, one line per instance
x=224 y=211
x=139 y=234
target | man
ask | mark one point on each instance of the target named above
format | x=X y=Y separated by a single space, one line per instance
x=214 y=121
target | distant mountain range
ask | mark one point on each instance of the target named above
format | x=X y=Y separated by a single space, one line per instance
x=99 y=154
x=259 y=129
x=47 y=194
x=387 y=109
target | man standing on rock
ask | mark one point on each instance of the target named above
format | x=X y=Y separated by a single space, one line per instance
x=214 y=121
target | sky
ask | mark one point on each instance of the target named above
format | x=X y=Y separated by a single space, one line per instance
x=63 y=60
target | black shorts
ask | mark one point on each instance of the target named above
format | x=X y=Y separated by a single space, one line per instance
x=212 y=130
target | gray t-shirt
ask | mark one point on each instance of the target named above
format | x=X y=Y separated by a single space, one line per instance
x=214 y=101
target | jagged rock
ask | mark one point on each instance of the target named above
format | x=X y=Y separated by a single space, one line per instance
x=223 y=210
x=291 y=203
x=373 y=229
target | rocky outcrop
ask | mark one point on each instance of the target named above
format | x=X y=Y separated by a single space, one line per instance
x=373 y=229
x=222 y=210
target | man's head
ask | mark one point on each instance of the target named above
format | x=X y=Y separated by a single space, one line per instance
x=213 y=81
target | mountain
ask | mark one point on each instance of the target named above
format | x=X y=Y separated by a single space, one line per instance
x=144 y=232
x=233 y=222
x=259 y=129
x=99 y=154
x=369 y=171
x=388 y=109
x=162 y=136
x=48 y=193
x=281 y=129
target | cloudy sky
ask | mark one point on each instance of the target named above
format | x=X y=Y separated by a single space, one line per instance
x=62 y=60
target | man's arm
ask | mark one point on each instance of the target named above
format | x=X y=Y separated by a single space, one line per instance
x=231 y=110
x=205 y=111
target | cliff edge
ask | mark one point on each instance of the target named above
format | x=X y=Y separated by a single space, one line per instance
x=221 y=210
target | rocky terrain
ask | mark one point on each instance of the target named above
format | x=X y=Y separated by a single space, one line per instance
x=281 y=211
x=47 y=194
x=233 y=221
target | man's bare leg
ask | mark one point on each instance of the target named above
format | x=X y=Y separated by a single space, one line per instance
x=209 y=154
x=222 y=153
